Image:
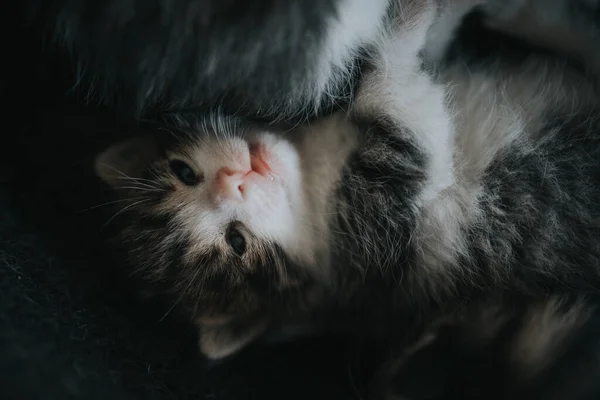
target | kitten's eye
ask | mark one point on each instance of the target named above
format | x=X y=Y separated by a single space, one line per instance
x=236 y=241
x=184 y=173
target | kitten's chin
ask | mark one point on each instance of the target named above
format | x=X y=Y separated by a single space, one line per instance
x=274 y=158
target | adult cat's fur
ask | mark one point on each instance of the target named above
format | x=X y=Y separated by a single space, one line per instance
x=464 y=165
x=273 y=58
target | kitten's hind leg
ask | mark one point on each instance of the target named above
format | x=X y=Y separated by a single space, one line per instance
x=543 y=349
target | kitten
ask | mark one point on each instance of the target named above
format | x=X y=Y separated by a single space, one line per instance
x=457 y=170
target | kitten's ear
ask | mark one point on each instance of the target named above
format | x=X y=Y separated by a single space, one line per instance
x=220 y=340
x=125 y=159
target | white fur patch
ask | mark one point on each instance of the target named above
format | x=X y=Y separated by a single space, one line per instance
x=399 y=89
x=358 y=23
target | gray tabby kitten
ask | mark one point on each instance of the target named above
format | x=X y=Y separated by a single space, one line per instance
x=467 y=164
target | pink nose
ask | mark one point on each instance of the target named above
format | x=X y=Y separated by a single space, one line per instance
x=229 y=184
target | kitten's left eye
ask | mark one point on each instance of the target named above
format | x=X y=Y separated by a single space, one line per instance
x=236 y=241
x=184 y=173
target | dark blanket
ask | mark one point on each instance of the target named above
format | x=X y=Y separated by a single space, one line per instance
x=70 y=326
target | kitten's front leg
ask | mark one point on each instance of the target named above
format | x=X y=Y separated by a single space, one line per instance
x=400 y=91
x=405 y=161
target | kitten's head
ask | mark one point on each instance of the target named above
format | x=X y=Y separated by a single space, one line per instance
x=215 y=217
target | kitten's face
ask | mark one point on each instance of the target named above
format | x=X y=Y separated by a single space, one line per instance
x=233 y=196
x=217 y=219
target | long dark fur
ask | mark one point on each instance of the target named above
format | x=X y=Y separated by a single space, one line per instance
x=267 y=58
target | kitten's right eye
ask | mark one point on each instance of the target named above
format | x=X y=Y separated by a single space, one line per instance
x=236 y=241
x=184 y=173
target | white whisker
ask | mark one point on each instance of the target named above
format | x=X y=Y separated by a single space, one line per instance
x=183 y=293
x=108 y=203
x=141 y=188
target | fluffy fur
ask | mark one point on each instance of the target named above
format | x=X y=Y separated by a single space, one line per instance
x=274 y=59
x=461 y=167
x=502 y=349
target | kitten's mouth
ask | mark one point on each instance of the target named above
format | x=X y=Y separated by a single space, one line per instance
x=257 y=162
